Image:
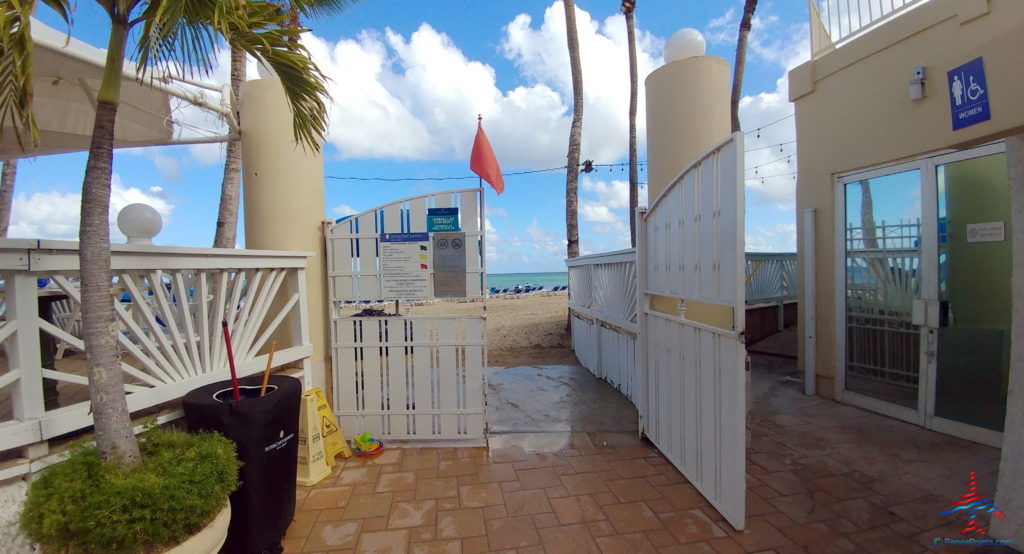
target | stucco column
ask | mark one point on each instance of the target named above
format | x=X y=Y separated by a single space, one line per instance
x=283 y=198
x=1010 y=485
x=687 y=108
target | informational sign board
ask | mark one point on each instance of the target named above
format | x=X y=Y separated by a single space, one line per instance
x=405 y=265
x=443 y=220
x=449 y=255
x=968 y=94
x=991 y=231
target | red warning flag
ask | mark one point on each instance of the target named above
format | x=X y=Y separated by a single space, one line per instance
x=482 y=160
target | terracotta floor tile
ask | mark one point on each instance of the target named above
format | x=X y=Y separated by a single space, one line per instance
x=661 y=538
x=842 y=488
x=786 y=482
x=478 y=496
x=557 y=491
x=631 y=518
x=600 y=528
x=683 y=496
x=606 y=498
x=690 y=548
x=292 y=546
x=368 y=505
x=392 y=482
x=391 y=456
x=576 y=509
x=691 y=526
x=375 y=524
x=413 y=514
x=325 y=536
x=884 y=539
x=569 y=539
x=512 y=532
x=863 y=513
x=633 y=468
x=726 y=546
x=510 y=486
x=923 y=512
x=583 y=483
x=633 y=490
x=404 y=496
x=383 y=542
x=363 y=489
x=447 y=503
x=474 y=545
x=543 y=521
x=417 y=462
x=333 y=514
x=801 y=508
x=810 y=532
x=835 y=545
x=495 y=512
x=583 y=464
x=660 y=505
x=422 y=534
x=634 y=543
x=778 y=520
x=359 y=475
x=456 y=468
x=437 y=547
x=757 y=506
x=319 y=499
x=494 y=473
x=758 y=535
x=538 y=460
x=538 y=478
x=442 y=487
x=460 y=524
x=526 y=502
x=302 y=523
x=509 y=454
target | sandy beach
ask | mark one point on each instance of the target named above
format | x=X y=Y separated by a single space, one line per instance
x=524 y=330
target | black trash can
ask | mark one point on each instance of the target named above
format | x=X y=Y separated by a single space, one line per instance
x=266 y=432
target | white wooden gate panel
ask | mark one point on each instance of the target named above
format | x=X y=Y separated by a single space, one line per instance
x=690 y=370
x=406 y=377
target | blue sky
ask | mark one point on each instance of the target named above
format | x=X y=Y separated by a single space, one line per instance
x=408 y=81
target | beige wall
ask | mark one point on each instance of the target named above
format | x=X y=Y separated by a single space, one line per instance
x=853 y=111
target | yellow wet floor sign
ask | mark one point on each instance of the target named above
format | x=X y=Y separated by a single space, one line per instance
x=312 y=463
x=334 y=438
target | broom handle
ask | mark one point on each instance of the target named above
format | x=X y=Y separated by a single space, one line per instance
x=266 y=373
x=231 y=361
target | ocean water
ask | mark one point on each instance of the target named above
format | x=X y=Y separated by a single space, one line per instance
x=510 y=280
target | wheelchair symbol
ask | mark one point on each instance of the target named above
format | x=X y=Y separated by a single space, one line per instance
x=974 y=91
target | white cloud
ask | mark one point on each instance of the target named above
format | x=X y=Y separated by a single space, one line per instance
x=55 y=215
x=723 y=29
x=343 y=210
x=500 y=212
x=611 y=195
x=776 y=238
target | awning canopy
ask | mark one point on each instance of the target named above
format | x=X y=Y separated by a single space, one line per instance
x=67 y=75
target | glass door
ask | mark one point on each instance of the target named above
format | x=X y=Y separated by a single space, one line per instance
x=925 y=284
x=882 y=266
x=971 y=368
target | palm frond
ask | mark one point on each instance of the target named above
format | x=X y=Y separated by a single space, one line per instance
x=181 y=37
x=321 y=8
x=16 y=67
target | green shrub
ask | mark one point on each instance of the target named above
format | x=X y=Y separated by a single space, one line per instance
x=85 y=504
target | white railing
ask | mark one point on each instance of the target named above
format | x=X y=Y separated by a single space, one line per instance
x=770 y=277
x=169 y=303
x=602 y=299
x=834 y=22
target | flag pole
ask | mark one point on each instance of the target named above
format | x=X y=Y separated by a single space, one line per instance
x=484 y=291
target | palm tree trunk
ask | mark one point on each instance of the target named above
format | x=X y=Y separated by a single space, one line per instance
x=114 y=435
x=741 y=61
x=7 y=177
x=572 y=173
x=227 y=214
x=634 y=180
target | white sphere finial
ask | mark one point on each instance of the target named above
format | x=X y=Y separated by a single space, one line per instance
x=684 y=43
x=140 y=223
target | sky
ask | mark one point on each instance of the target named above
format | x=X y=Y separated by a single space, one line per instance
x=407 y=82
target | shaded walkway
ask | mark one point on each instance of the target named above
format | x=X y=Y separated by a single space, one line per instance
x=565 y=472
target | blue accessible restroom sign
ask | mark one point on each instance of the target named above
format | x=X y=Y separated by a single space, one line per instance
x=443 y=220
x=968 y=94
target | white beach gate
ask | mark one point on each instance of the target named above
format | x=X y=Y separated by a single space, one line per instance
x=691 y=382
x=406 y=377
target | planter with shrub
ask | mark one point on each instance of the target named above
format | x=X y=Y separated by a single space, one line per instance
x=85 y=504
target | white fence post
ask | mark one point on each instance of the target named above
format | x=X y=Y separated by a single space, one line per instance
x=23 y=345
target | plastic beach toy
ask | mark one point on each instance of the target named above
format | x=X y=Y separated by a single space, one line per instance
x=366 y=445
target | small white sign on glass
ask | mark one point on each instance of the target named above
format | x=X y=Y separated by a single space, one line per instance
x=991 y=231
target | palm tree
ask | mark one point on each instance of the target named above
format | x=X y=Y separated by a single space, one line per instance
x=178 y=35
x=572 y=174
x=634 y=180
x=226 y=233
x=741 y=61
x=7 y=176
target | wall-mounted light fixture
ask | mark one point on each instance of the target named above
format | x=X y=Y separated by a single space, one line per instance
x=917 y=84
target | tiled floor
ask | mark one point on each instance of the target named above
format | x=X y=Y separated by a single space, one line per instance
x=821 y=478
